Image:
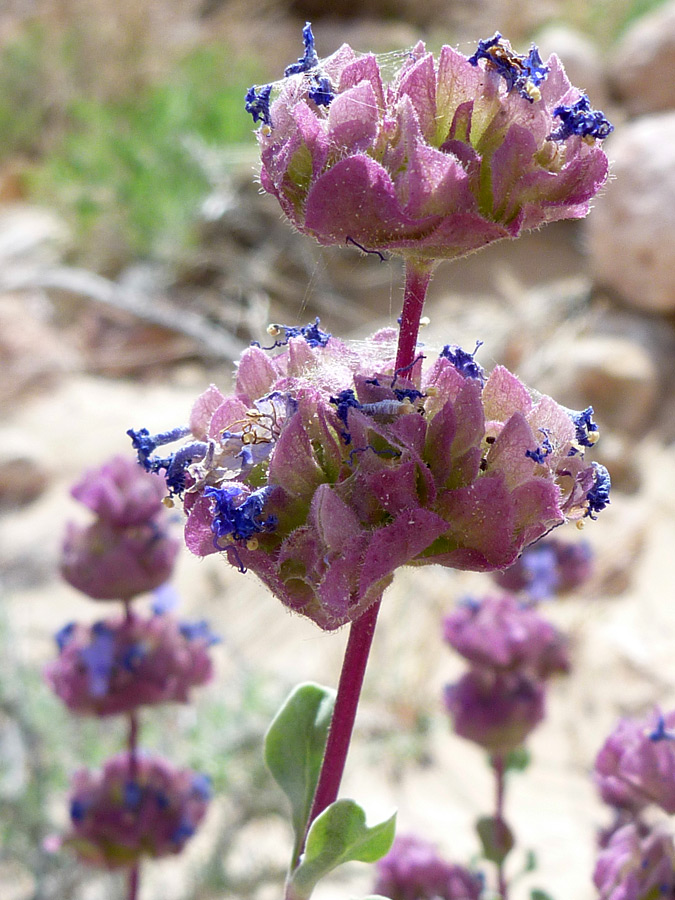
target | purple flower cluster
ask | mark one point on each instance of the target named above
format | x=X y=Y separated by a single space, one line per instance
x=136 y=806
x=503 y=634
x=127 y=549
x=636 y=765
x=122 y=663
x=637 y=863
x=413 y=870
x=449 y=155
x=511 y=650
x=635 y=770
x=327 y=469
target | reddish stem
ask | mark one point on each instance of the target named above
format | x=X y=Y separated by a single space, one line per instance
x=347 y=700
x=134 y=882
x=418 y=274
x=417 y=277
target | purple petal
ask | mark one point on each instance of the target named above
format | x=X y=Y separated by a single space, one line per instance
x=419 y=83
x=353 y=118
x=503 y=395
x=255 y=375
x=204 y=407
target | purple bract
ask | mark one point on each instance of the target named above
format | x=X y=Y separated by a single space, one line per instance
x=449 y=155
x=326 y=470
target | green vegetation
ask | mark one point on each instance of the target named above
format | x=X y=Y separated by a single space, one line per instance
x=128 y=172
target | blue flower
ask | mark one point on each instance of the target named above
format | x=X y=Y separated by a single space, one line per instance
x=78 y=810
x=544 y=450
x=64 y=635
x=580 y=119
x=598 y=496
x=98 y=658
x=660 y=732
x=587 y=431
x=321 y=91
x=309 y=60
x=312 y=333
x=175 y=465
x=201 y=786
x=193 y=631
x=238 y=521
x=257 y=99
x=257 y=103
x=133 y=794
x=521 y=73
x=464 y=362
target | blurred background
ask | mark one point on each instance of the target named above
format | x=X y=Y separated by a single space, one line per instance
x=138 y=257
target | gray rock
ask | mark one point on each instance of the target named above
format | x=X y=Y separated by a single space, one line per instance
x=642 y=69
x=631 y=232
x=581 y=59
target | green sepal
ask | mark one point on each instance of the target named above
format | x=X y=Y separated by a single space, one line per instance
x=294 y=748
x=340 y=835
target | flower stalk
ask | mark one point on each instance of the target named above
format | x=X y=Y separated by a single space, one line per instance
x=362 y=630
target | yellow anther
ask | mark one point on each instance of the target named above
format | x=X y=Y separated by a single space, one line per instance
x=168 y=502
x=252 y=543
x=532 y=91
x=580 y=524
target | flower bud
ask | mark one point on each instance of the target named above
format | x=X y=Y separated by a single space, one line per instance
x=110 y=563
x=496 y=712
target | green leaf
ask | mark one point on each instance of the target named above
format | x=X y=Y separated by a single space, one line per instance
x=531 y=861
x=496 y=837
x=294 y=748
x=517 y=760
x=536 y=894
x=340 y=835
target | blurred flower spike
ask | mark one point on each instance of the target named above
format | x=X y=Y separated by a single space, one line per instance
x=122 y=663
x=448 y=155
x=127 y=550
x=134 y=808
x=327 y=469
